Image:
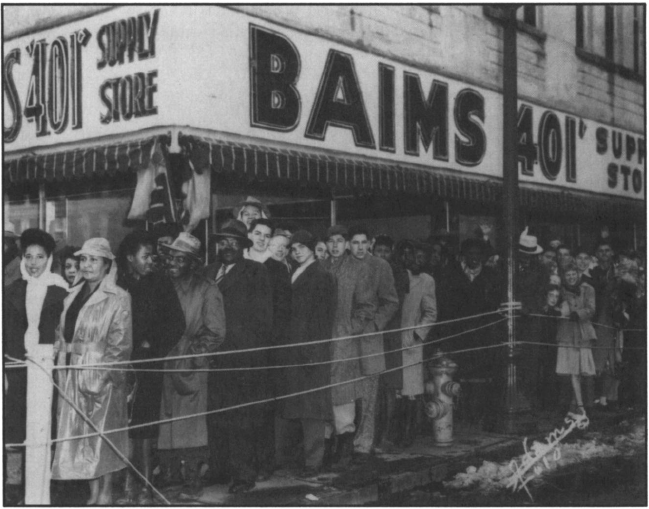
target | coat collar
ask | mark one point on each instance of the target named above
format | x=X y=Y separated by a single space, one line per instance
x=232 y=275
x=301 y=279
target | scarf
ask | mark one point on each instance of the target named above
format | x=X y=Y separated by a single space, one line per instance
x=471 y=273
x=573 y=289
x=36 y=290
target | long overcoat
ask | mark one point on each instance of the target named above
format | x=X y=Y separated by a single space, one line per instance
x=102 y=334
x=354 y=308
x=461 y=298
x=248 y=304
x=419 y=308
x=202 y=305
x=14 y=326
x=158 y=324
x=385 y=303
x=280 y=283
x=392 y=340
x=314 y=305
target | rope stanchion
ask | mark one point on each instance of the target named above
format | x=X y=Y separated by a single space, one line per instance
x=99 y=433
x=259 y=402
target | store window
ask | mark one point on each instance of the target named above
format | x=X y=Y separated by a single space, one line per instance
x=528 y=15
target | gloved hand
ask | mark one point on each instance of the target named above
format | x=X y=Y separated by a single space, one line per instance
x=574 y=316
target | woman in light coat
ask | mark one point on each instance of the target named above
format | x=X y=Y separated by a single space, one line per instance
x=576 y=333
x=95 y=329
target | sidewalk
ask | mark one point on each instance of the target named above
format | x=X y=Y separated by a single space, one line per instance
x=383 y=476
x=386 y=474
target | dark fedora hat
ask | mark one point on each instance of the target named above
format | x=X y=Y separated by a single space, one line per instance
x=234 y=229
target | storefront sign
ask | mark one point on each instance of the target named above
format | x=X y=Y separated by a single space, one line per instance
x=221 y=70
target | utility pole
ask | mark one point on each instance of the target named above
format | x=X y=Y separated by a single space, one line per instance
x=515 y=416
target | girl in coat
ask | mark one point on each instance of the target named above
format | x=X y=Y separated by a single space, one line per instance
x=575 y=334
x=31 y=309
x=95 y=329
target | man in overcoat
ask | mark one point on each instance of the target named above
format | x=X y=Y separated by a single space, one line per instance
x=185 y=393
x=236 y=437
x=354 y=309
x=314 y=304
x=385 y=303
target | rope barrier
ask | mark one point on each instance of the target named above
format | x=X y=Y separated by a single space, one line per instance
x=333 y=361
x=594 y=323
x=274 y=347
x=258 y=402
x=557 y=345
x=99 y=433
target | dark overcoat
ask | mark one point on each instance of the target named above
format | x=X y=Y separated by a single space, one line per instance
x=392 y=340
x=159 y=322
x=459 y=297
x=14 y=326
x=280 y=283
x=248 y=304
x=314 y=307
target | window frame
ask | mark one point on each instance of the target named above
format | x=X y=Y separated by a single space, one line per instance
x=607 y=61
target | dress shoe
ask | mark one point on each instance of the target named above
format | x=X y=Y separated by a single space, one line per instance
x=240 y=486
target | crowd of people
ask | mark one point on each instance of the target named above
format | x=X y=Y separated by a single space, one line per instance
x=291 y=351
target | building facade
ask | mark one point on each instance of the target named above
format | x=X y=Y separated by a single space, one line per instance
x=389 y=115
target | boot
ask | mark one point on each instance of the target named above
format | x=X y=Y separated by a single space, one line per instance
x=410 y=423
x=130 y=489
x=328 y=457
x=344 y=451
x=397 y=424
x=193 y=488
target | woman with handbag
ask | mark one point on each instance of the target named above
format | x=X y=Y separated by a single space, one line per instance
x=158 y=323
x=185 y=390
x=95 y=329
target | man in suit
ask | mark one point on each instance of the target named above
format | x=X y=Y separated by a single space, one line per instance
x=235 y=436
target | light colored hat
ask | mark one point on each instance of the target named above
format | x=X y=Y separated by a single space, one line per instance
x=10 y=230
x=96 y=247
x=255 y=202
x=528 y=244
x=186 y=243
x=283 y=233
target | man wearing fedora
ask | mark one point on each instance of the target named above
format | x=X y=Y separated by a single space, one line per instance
x=185 y=393
x=236 y=436
x=530 y=284
x=10 y=255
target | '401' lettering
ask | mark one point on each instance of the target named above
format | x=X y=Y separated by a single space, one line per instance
x=54 y=90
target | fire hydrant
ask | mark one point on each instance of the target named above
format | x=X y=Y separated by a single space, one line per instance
x=439 y=394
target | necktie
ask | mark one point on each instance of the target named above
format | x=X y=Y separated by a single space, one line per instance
x=220 y=275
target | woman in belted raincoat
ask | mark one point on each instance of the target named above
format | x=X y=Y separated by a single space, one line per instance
x=95 y=329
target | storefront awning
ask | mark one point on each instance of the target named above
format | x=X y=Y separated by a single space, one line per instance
x=79 y=162
x=264 y=163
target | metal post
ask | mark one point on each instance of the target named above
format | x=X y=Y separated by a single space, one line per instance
x=447 y=210
x=515 y=417
x=42 y=220
x=334 y=211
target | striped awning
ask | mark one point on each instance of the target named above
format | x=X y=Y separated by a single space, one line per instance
x=264 y=163
x=80 y=162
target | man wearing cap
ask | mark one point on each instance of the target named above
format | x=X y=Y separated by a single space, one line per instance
x=354 y=310
x=385 y=302
x=236 y=436
x=10 y=255
x=185 y=393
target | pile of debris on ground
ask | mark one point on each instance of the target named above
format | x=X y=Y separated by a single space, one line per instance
x=629 y=439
